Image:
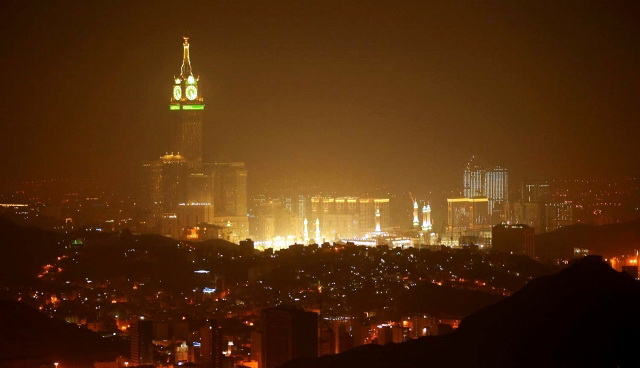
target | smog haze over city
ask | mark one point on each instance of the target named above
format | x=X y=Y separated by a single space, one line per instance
x=399 y=94
x=320 y=184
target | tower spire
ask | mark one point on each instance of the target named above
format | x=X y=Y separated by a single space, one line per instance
x=185 y=70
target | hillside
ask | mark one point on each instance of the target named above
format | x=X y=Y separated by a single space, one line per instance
x=608 y=240
x=31 y=338
x=584 y=316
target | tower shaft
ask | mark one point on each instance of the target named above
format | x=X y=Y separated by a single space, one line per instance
x=188 y=135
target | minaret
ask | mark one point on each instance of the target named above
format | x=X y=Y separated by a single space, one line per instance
x=378 y=230
x=428 y=226
x=416 y=221
x=424 y=217
x=306 y=231
x=317 y=231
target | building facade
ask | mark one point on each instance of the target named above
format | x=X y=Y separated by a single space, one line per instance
x=467 y=218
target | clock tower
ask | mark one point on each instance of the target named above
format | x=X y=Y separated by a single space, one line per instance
x=187 y=106
x=180 y=189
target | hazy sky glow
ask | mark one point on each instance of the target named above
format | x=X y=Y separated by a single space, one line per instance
x=403 y=92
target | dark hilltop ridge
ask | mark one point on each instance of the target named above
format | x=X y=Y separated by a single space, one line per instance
x=587 y=315
x=29 y=338
x=608 y=240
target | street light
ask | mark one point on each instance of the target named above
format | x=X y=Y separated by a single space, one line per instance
x=56 y=364
x=126 y=364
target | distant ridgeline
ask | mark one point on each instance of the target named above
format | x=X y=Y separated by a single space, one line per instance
x=611 y=239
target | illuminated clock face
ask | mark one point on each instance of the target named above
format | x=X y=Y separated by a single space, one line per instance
x=177 y=92
x=192 y=92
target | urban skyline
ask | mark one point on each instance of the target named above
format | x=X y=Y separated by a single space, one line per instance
x=321 y=183
x=186 y=194
x=488 y=91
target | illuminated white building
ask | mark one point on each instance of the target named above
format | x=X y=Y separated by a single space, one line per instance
x=492 y=184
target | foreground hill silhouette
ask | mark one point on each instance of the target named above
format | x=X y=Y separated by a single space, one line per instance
x=24 y=251
x=29 y=338
x=584 y=316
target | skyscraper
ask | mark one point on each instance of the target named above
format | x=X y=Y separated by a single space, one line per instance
x=467 y=217
x=230 y=194
x=180 y=190
x=497 y=190
x=288 y=333
x=141 y=343
x=212 y=344
x=474 y=180
x=536 y=191
x=492 y=184
x=530 y=210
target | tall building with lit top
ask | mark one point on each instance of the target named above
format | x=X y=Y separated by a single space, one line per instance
x=180 y=190
x=187 y=107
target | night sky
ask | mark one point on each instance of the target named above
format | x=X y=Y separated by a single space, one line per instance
x=400 y=93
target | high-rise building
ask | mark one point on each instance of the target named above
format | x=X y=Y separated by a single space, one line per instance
x=497 y=190
x=536 y=191
x=558 y=215
x=180 y=190
x=151 y=198
x=187 y=106
x=529 y=213
x=474 y=180
x=492 y=184
x=141 y=342
x=531 y=209
x=230 y=194
x=539 y=208
x=467 y=217
x=514 y=239
x=211 y=345
x=288 y=333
